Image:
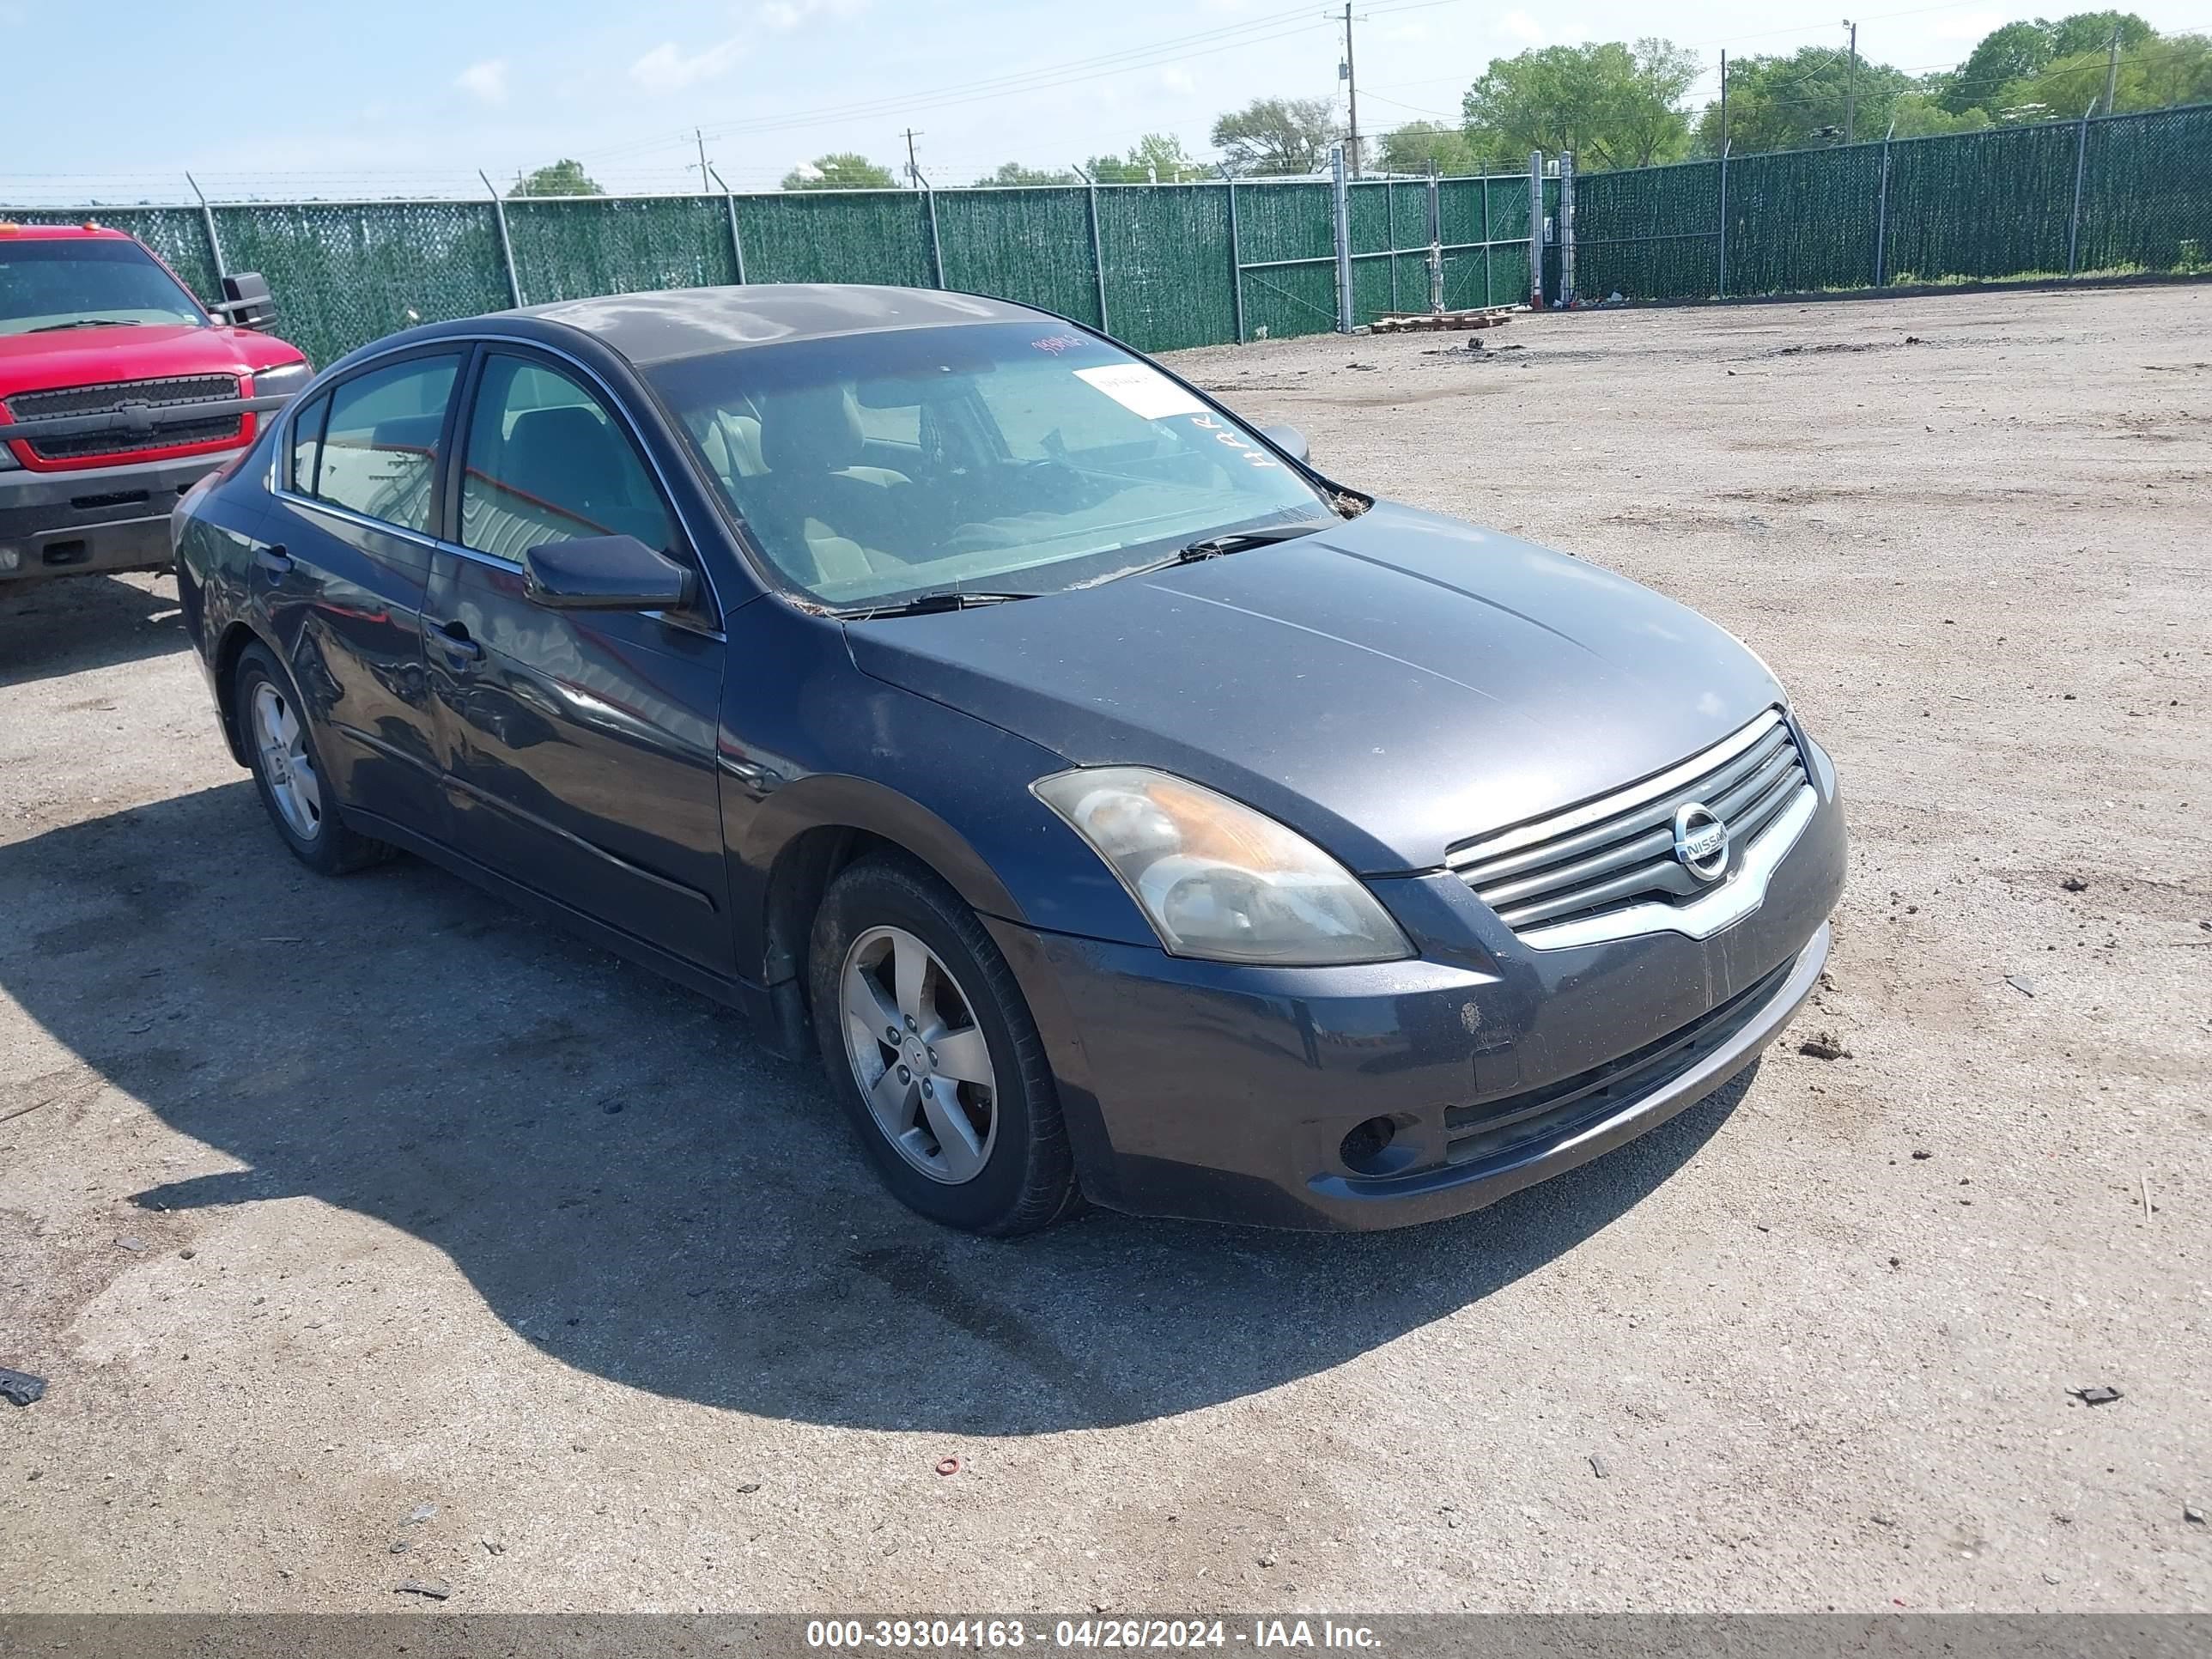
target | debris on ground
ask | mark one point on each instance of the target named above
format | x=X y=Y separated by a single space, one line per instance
x=2025 y=986
x=21 y=1387
x=1598 y=1466
x=747 y=1488
x=435 y=1589
x=2099 y=1395
x=1920 y=1155
x=133 y=1243
x=1365 y=367
x=2192 y=1514
x=401 y=1546
x=1823 y=1045
x=494 y=1547
x=948 y=1466
x=419 y=1513
x=2075 y=884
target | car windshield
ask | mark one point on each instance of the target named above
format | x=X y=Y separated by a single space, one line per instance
x=79 y=282
x=1016 y=458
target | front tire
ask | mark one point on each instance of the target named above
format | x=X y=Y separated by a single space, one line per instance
x=288 y=770
x=932 y=1051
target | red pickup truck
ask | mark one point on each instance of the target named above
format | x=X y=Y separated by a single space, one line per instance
x=118 y=392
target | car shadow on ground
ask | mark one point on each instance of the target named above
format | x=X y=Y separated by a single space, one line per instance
x=69 y=624
x=634 y=1186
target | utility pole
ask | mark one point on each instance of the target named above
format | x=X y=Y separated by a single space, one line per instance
x=703 y=186
x=1352 y=87
x=1851 y=81
x=913 y=172
x=2111 y=69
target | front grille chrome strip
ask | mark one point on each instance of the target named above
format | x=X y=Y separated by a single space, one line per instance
x=1720 y=907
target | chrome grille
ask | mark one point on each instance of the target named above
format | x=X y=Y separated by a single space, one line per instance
x=1618 y=850
x=179 y=390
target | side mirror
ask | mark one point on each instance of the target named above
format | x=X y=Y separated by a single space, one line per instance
x=246 y=301
x=603 y=573
x=1288 y=438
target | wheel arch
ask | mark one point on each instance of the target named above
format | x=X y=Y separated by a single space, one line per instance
x=236 y=637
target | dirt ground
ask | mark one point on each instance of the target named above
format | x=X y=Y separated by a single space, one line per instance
x=321 y=1201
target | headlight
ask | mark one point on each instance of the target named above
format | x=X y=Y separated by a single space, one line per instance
x=282 y=380
x=1215 y=879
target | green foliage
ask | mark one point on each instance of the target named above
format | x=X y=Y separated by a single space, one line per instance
x=844 y=170
x=2154 y=75
x=1013 y=173
x=561 y=178
x=1797 y=102
x=1156 y=158
x=2091 y=31
x=2002 y=71
x=1920 y=115
x=1613 y=105
x=1277 y=134
x=1413 y=147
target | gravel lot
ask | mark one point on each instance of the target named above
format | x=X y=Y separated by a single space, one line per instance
x=320 y=1201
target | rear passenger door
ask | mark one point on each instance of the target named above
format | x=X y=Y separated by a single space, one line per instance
x=579 y=746
x=343 y=568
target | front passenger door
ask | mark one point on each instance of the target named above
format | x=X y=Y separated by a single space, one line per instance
x=579 y=746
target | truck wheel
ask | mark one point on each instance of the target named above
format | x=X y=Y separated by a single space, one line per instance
x=289 y=772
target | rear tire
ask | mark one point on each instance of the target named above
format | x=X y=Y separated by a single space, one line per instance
x=930 y=1049
x=288 y=770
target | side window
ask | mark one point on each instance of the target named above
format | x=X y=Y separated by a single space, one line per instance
x=306 y=443
x=379 y=444
x=546 y=462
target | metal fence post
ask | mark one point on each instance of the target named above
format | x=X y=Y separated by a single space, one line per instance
x=1097 y=249
x=1881 y=212
x=737 y=242
x=506 y=247
x=1721 y=282
x=936 y=248
x=215 y=242
x=1341 y=222
x=2074 y=223
x=1436 y=245
x=1236 y=259
x=1566 y=230
x=1535 y=230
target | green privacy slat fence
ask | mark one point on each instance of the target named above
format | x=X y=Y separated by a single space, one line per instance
x=1964 y=206
x=2121 y=193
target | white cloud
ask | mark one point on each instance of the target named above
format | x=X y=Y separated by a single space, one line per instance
x=1520 y=27
x=668 y=68
x=1175 y=78
x=486 y=81
x=788 y=15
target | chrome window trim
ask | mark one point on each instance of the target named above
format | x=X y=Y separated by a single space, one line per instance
x=462 y=342
x=1621 y=800
x=347 y=515
x=1702 y=917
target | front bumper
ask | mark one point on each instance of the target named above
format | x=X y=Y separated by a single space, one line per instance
x=1218 y=1092
x=95 y=519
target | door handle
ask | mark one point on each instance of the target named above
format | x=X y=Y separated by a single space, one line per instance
x=452 y=642
x=274 y=560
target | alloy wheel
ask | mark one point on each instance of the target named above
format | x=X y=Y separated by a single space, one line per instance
x=919 y=1054
x=281 y=738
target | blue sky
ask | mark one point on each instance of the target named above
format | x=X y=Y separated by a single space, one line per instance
x=117 y=102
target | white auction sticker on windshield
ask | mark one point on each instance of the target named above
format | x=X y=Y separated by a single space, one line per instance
x=1142 y=390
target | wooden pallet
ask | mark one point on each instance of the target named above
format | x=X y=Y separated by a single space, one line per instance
x=1402 y=322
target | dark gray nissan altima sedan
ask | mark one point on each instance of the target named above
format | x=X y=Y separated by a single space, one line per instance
x=1126 y=810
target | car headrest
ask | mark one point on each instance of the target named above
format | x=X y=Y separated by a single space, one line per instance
x=817 y=430
x=567 y=458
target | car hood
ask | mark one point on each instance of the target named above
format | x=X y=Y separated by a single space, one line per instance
x=143 y=351
x=1390 y=686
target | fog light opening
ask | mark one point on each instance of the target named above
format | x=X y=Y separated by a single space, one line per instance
x=1363 y=1150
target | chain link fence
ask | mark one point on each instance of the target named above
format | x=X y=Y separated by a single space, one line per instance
x=1163 y=266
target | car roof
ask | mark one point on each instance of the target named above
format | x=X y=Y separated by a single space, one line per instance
x=696 y=322
x=9 y=228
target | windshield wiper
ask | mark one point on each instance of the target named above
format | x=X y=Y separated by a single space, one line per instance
x=85 y=322
x=1212 y=547
x=952 y=598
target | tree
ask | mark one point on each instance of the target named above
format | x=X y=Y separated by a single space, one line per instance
x=2018 y=52
x=2093 y=31
x=1277 y=135
x=1156 y=158
x=1613 y=105
x=1013 y=173
x=1798 y=101
x=1413 y=147
x=845 y=170
x=2163 y=71
x=562 y=177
